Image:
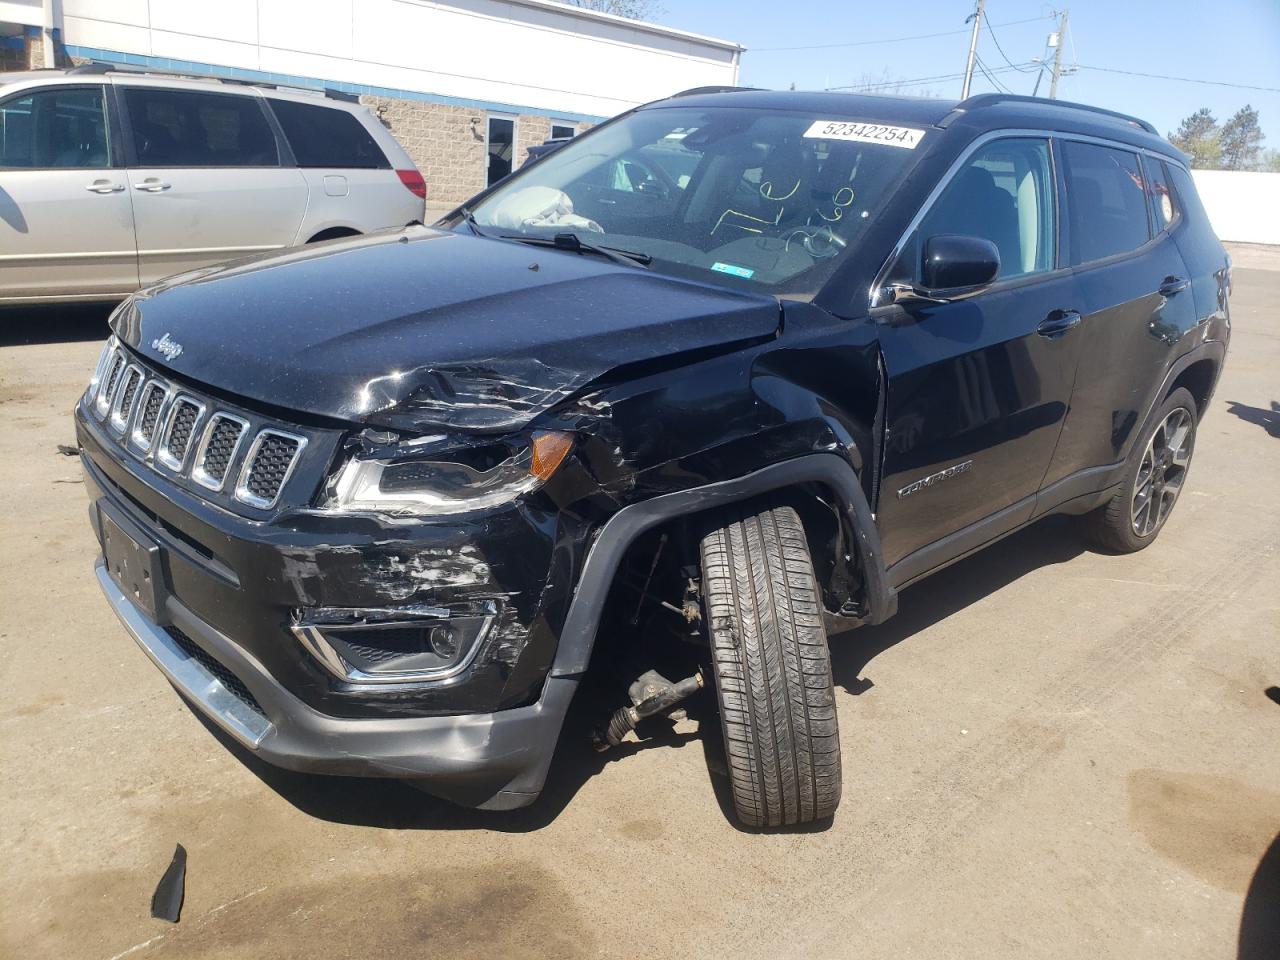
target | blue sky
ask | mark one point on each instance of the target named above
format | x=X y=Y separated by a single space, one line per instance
x=1234 y=41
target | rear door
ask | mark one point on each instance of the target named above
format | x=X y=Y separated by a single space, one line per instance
x=66 y=222
x=1137 y=301
x=977 y=388
x=350 y=180
x=206 y=179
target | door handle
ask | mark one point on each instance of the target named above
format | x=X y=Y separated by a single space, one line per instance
x=1058 y=323
x=1172 y=285
x=104 y=186
x=151 y=185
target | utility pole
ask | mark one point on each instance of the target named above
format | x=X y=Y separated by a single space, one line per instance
x=1057 y=55
x=973 y=49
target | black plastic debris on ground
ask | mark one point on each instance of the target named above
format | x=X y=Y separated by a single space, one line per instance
x=67 y=450
x=166 y=902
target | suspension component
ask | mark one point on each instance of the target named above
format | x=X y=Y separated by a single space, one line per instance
x=651 y=694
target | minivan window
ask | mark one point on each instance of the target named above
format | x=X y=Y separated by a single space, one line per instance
x=325 y=137
x=1164 y=206
x=1003 y=193
x=59 y=128
x=180 y=128
x=1106 y=200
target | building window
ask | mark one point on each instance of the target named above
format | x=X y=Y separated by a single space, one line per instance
x=500 y=147
x=562 y=131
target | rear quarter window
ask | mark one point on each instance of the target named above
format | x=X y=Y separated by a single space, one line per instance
x=325 y=137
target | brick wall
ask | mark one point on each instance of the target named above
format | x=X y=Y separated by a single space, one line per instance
x=447 y=147
x=442 y=141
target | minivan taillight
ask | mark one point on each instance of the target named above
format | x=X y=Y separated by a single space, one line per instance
x=413 y=180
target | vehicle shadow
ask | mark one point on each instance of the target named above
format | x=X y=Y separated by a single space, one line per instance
x=1049 y=542
x=61 y=323
x=1260 y=918
x=1269 y=420
x=394 y=805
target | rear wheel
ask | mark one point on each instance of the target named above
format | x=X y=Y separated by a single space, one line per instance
x=1155 y=476
x=772 y=668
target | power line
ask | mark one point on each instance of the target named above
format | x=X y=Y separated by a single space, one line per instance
x=1000 y=87
x=992 y=34
x=872 y=43
x=1161 y=76
x=917 y=80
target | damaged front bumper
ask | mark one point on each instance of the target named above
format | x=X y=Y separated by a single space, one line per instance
x=239 y=614
x=495 y=761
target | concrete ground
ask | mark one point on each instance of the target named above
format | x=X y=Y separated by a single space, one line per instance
x=1048 y=753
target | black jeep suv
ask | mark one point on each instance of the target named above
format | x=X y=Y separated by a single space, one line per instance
x=733 y=368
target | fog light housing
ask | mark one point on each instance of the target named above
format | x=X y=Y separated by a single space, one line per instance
x=411 y=644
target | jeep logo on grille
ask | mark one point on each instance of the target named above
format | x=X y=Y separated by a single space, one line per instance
x=167 y=347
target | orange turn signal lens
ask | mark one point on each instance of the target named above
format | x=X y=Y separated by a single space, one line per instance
x=549 y=450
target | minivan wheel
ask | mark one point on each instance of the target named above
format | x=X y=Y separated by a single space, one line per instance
x=772 y=668
x=1155 y=477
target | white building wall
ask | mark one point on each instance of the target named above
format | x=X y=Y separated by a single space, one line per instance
x=524 y=53
x=1242 y=206
x=29 y=13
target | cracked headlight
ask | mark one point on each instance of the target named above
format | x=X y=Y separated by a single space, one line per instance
x=431 y=484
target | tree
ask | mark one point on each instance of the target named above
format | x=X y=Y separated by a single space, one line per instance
x=1270 y=161
x=632 y=9
x=1199 y=138
x=1241 y=139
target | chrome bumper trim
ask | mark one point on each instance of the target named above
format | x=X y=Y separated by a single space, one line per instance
x=190 y=676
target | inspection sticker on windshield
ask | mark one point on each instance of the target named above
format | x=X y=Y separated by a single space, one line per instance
x=733 y=270
x=907 y=137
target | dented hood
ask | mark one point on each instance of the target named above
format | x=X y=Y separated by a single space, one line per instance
x=423 y=328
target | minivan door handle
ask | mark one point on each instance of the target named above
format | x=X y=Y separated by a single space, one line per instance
x=1058 y=323
x=104 y=186
x=151 y=185
x=1172 y=285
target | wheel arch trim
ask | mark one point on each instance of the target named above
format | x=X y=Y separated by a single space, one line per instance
x=577 y=637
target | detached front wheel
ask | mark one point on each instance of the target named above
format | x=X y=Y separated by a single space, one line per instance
x=772 y=668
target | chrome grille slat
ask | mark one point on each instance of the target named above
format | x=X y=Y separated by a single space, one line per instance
x=115 y=366
x=175 y=443
x=122 y=407
x=154 y=397
x=218 y=447
x=268 y=466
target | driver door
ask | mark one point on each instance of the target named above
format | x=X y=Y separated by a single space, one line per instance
x=978 y=388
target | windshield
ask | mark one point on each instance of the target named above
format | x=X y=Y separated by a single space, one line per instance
x=767 y=200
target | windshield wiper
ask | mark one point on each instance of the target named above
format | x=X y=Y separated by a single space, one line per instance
x=469 y=219
x=573 y=244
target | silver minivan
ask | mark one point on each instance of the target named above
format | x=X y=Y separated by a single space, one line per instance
x=111 y=179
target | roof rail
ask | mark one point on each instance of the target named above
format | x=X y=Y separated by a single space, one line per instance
x=102 y=67
x=696 y=91
x=990 y=99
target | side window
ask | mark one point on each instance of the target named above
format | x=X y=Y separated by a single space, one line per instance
x=1164 y=205
x=180 y=128
x=325 y=137
x=60 y=128
x=1004 y=193
x=562 y=132
x=1106 y=201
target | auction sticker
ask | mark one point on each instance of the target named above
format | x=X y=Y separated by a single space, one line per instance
x=907 y=137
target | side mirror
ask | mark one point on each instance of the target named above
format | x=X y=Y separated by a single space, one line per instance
x=953 y=267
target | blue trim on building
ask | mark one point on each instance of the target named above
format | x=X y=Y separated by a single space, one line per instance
x=290 y=80
x=13 y=43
